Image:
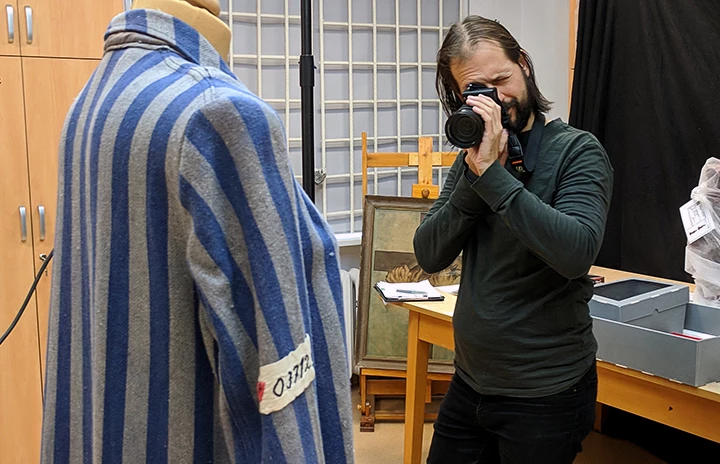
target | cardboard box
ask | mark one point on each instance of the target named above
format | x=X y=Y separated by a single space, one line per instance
x=646 y=303
x=629 y=299
x=675 y=357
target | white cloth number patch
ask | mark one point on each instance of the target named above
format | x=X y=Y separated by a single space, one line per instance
x=284 y=380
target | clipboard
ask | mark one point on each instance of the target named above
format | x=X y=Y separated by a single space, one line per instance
x=408 y=291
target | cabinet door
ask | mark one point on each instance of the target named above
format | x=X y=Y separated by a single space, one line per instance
x=51 y=86
x=20 y=386
x=9 y=30
x=65 y=29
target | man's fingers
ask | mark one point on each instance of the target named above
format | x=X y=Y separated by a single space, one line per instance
x=484 y=113
x=503 y=141
x=486 y=102
x=487 y=109
x=488 y=114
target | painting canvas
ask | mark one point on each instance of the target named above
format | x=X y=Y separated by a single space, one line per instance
x=389 y=225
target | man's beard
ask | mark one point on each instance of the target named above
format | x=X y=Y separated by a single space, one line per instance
x=523 y=110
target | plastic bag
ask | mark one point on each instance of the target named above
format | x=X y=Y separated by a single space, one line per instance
x=702 y=257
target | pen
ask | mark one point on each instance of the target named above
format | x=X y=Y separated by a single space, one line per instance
x=412 y=292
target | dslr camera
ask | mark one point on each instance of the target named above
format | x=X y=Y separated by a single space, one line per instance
x=465 y=128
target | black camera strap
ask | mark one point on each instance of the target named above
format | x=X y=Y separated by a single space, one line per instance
x=523 y=163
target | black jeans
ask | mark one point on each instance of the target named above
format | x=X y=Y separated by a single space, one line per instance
x=475 y=428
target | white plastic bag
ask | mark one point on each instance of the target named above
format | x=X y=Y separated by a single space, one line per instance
x=702 y=257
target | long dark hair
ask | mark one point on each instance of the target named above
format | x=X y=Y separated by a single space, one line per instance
x=459 y=43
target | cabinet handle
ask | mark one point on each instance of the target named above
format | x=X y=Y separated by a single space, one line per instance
x=23 y=224
x=29 y=23
x=10 y=11
x=41 y=213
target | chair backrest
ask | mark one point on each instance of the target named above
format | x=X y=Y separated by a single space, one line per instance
x=424 y=159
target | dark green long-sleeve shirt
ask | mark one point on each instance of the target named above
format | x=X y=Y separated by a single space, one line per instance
x=522 y=324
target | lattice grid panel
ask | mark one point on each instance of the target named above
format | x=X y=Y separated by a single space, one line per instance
x=376 y=73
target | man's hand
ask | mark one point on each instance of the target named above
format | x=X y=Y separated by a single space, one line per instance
x=494 y=141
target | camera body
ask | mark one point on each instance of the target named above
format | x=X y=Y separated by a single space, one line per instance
x=465 y=128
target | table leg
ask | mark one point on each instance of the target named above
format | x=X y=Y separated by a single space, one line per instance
x=600 y=416
x=417 y=367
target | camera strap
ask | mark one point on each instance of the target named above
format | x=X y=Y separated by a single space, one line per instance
x=523 y=163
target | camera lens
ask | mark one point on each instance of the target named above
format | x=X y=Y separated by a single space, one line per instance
x=464 y=128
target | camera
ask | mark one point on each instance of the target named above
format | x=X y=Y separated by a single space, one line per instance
x=465 y=128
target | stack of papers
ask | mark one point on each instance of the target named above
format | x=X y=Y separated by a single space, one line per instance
x=408 y=291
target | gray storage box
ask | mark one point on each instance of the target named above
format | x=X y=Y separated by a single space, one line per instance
x=693 y=362
x=646 y=303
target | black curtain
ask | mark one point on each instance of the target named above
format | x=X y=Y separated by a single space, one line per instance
x=647 y=84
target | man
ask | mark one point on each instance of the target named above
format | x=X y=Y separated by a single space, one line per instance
x=525 y=384
x=196 y=308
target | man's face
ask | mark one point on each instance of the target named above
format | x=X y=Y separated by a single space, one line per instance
x=490 y=67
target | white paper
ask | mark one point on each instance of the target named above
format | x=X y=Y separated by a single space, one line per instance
x=692 y=333
x=451 y=289
x=696 y=220
x=408 y=290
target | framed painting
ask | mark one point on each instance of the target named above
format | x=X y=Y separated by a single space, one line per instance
x=389 y=225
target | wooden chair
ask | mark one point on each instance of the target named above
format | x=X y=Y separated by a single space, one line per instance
x=425 y=159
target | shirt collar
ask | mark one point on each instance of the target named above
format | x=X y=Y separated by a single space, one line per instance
x=169 y=30
x=531 y=152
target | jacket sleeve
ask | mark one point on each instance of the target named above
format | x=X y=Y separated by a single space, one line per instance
x=450 y=222
x=268 y=284
x=568 y=233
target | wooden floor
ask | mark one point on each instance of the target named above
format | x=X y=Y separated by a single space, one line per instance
x=385 y=445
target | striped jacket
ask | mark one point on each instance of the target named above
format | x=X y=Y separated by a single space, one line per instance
x=196 y=298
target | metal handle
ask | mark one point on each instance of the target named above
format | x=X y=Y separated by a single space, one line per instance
x=29 y=23
x=10 y=12
x=23 y=224
x=41 y=212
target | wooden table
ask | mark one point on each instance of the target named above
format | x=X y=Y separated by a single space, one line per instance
x=694 y=410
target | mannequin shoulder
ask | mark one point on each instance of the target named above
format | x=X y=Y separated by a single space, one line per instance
x=235 y=113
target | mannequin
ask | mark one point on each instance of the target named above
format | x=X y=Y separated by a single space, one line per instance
x=202 y=15
x=222 y=277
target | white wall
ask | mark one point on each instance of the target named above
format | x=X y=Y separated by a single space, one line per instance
x=541 y=27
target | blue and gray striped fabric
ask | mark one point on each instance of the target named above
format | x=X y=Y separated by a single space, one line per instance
x=186 y=257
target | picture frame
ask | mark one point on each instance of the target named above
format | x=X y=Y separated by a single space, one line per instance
x=389 y=225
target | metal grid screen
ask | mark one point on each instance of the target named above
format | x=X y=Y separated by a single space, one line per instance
x=376 y=74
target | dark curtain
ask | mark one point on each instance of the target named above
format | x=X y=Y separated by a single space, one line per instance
x=647 y=84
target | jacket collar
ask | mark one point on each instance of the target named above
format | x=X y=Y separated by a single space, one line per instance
x=153 y=27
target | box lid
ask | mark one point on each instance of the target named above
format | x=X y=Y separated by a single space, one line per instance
x=629 y=299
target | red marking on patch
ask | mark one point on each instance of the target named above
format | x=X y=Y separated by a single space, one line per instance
x=260 y=390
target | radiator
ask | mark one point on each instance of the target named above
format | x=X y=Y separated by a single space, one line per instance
x=350 y=281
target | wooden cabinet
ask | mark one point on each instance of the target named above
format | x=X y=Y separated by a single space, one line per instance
x=20 y=386
x=40 y=76
x=35 y=95
x=9 y=34
x=50 y=84
x=65 y=29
